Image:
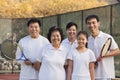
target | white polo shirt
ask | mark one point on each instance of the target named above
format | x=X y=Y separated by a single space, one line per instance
x=81 y=62
x=31 y=49
x=68 y=44
x=52 y=63
x=105 y=67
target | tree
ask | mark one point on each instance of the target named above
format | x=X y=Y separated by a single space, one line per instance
x=40 y=8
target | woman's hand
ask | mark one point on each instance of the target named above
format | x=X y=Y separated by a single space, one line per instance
x=28 y=62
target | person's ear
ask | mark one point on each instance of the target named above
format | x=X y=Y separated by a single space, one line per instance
x=99 y=23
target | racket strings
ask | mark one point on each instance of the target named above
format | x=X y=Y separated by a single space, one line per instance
x=8 y=49
x=106 y=47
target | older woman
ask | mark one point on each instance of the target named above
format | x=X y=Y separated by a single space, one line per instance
x=53 y=57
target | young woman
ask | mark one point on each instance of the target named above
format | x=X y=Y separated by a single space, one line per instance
x=81 y=60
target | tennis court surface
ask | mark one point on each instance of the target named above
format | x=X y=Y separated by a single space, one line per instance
x=16 y=77
x=9 y=76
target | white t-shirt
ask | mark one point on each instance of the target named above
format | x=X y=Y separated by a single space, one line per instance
x=81 y=63
x=68 y=44
x=52 y=63
x=105 y=67
x=31 y=49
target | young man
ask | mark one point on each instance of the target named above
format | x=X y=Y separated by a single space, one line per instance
x=71 y=41
x=105 y=69
x=31 y=46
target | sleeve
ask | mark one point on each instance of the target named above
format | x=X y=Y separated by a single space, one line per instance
x=92 y=56
x=66 y=53
x=70 y=55
x=46 y=41
x=19 y=52
x=40 y=55
x=113 y=44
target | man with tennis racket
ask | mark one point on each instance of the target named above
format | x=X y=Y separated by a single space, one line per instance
x=29 y=48
x=104 y=47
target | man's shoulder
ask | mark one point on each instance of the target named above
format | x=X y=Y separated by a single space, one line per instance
x=25 y=37
x=42 y=37
x=65 y=40
x=107 y=35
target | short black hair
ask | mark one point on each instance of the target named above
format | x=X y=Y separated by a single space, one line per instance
x=34 y=20
x=52 y=29
x=71 y=24
x=91 y=17
x=84 y=33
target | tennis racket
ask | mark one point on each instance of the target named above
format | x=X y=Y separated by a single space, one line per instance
x=8 y=50
x=106 y=47
x=22 y=57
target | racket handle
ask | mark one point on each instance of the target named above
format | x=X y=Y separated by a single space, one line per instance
x=96 y=64
x=26 y=60
x=32 y=64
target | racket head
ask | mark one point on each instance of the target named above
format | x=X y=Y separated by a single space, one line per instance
x=106 y=47
x=8 y=49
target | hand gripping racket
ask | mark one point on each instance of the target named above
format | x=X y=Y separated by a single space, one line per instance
x=105 y=48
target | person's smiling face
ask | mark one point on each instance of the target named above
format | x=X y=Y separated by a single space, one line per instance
x=71 y=32
x=55 y=38
x=82 y=40
x=93 y=25
x=34 y=30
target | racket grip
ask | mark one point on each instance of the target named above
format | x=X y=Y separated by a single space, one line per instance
x=96 y=64
x=32 y=64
